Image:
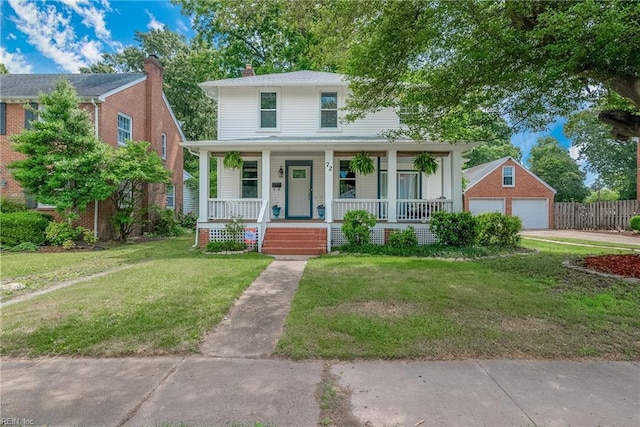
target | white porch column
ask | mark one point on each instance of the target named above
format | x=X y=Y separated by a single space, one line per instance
x=266 y=181
x=203 y=187
x=328 y=186
x=392 y=183
x=456 y=180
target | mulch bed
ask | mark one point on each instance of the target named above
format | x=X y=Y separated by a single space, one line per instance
x=627 y=265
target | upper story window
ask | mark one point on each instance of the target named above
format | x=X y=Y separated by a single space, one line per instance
x=268 y=110
x=124 y=128
x=3 y=118
x=408 y=114
x=171 y=196
x=30 y=115
x=329 y=110
x=163 y=152
x=508 y=176
x=250 y=180
x=347 y=181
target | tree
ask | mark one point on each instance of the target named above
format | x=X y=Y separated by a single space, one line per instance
x=614 y=163
x=496 y=147
x=524 y=59
x=134 y=166
x=553 y=164
x=65 y=161
x=3 y=69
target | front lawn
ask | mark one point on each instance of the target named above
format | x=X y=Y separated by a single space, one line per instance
x=518 y=306
x=163 y=306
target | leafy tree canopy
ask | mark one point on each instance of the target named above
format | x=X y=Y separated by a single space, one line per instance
x=614 y=163
x=496 y=147
x=65 y=163
x=526 y=60
x=554 y=165
x=3 y=69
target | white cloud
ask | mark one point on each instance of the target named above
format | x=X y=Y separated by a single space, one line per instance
x=11 y=36
x=49 y=29
x=574 y=152
x=182 y=27
x=154 y=24
x=15 y=62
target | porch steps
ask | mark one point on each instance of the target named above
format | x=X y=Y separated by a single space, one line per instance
x=295 y=241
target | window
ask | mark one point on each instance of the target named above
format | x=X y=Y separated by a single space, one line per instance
x=124 y=128
x=171 y=196
x=508 y=176
x=347 y=181
x=408 y=114
x=3 y=118
x=408 y=185
x=250 y=180
x=329 y=110
x=268 y=110
x=30 y=115
x=164 y=146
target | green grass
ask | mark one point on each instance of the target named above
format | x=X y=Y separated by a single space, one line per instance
x=518 y=306
x=163 y=306
x=587 y=242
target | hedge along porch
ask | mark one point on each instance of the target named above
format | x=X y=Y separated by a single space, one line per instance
x=299 y=175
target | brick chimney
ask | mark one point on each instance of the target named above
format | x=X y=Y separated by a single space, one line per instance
x=248 y=71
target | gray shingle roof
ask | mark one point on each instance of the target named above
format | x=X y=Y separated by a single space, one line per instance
x=476 y=173
x=293 y=78
x=27 y=86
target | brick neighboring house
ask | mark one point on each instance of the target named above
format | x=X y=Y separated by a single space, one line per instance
x=128 y=106
x=507 y=186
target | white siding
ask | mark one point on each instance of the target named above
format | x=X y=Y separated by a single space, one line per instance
x=298 y=114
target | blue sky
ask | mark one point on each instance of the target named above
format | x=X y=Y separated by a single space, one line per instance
x=46 y=36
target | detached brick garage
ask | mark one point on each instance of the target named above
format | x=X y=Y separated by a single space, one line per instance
x=507 y=186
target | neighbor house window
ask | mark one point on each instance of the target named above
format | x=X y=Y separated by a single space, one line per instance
x=124 y=128
x=408 y=114
x=3 y=118
x=329 y=110
x=508 y=178
x=164 y=146
x=171 y=196
x=268 y=110
x=30 y=115
x=347 y=181
x=250 y=180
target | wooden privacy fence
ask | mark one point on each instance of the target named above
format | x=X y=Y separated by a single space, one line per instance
x=595 y=216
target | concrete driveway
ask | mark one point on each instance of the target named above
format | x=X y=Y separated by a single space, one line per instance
x=607 y=237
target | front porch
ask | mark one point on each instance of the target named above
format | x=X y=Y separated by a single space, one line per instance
x=311 y=184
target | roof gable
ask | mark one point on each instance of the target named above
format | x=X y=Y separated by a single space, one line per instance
x=92 y=85
x=480 y=172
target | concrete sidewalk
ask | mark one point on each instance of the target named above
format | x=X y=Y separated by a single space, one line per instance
x=207 y=391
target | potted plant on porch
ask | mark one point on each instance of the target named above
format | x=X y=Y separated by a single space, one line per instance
x=275 y=209
x=321 y=211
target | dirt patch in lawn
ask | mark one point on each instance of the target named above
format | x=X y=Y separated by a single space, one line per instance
x=626 y=265
x=381 y=309
x=527 y=324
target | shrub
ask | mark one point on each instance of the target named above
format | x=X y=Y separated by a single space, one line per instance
x=495 y=228
x=357 y=226
x=8 y=205
x=20 y=227
x=24 y=247
x=634 y=223
x=188 y=220
x=234 y=229
x=225 y=246
x=166 y=223
x=403 y=238
x=61 y=233
x=454 y=228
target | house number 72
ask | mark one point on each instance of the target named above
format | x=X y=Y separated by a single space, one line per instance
x=329 y=167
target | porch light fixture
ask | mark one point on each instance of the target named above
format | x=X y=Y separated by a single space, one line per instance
x=280 y=172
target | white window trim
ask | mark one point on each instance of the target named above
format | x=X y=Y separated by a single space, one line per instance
x=163 y=146
x=513 y=176
x=173 y=196
x=319 y=92
x=118 y=128
x=277 y=91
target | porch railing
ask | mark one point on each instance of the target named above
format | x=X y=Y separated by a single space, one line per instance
x=421 y=210
x=377 y=207
x=416 y=210
x=233 y=208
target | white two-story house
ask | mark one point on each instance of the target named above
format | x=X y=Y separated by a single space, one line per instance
x=296 y=151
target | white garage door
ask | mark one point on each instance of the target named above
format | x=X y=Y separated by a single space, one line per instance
x=478 y=206
x=533 y=212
